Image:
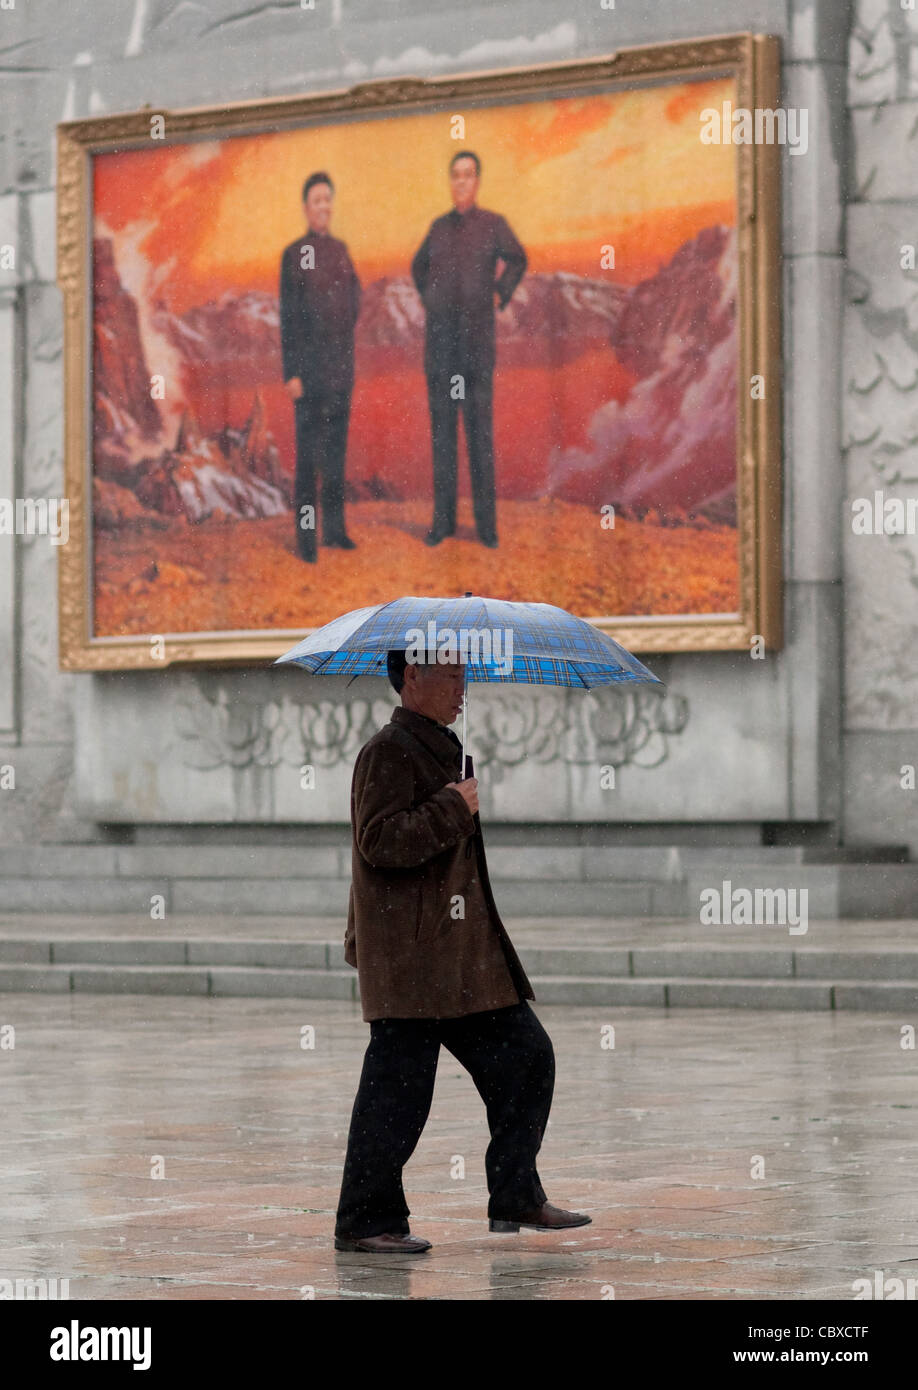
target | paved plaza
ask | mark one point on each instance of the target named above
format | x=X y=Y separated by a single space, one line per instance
x=721 y=1153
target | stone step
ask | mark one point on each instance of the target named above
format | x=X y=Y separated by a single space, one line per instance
x=179 y=979
x=641 y=864
x=707 y=961
x=842 y=890
x=315 y=896
x=729 y=994
x=239 y=981
x=539 y=881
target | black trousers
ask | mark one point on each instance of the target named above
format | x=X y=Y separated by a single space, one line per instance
x=477 y=409
x=321 y=446
x=510 y=1058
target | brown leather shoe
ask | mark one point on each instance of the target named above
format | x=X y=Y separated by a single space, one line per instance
x=388 y=1244
x=543 y=1218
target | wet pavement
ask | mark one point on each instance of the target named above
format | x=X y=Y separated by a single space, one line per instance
x=159 y=1147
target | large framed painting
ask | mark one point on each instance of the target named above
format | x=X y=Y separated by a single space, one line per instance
x=515 y=333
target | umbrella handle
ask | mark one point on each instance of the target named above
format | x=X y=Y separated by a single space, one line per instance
x=468 y=765
x=465 y=692
x=470 y=772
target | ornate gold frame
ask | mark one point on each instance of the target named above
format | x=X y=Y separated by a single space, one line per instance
x=754 y=61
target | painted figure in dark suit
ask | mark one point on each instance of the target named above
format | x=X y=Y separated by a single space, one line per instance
x=456 y=274
x=319 y=303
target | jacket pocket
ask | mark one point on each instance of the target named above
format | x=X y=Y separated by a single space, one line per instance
x=429 y=919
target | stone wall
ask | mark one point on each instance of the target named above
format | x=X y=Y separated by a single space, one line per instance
x=880 y=415
x=739 y=742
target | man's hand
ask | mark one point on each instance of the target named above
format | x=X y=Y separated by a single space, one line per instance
x=294 y=388
x=468 y=790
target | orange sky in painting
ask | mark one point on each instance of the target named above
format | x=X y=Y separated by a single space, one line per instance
x=570 y=174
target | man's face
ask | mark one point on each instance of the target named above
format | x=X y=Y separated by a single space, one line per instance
x=437 y=690
x=463 y=182
x=317 y=206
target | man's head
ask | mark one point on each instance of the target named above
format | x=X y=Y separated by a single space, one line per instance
x=464 y=176
x=318 y=195
x=435 y=689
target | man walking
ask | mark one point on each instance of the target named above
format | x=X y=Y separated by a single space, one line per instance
x=435 y=965
x=456 y=274
x=319 y=304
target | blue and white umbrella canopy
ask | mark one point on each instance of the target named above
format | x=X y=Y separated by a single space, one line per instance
x=506 y=642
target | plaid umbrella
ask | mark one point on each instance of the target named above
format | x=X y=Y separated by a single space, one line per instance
x=531 y=643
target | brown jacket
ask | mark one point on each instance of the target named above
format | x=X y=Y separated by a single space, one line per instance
x=416 y=846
